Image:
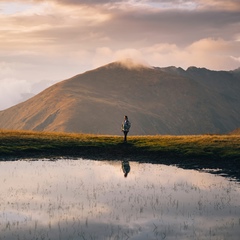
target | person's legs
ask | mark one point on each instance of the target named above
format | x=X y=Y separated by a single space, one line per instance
x=125 y=136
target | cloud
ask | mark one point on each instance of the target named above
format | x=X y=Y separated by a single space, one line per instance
x=232 y=5
x=16 y=90
x=216 y=54
x=100 y=26
x=88 y=2
x=51 y=40
x=237 y=59
x=102 y=56
x=216 y=5
x=129 y=57
x=133 y=63
x=11 y=90
x=129 y=54
x=19 y=81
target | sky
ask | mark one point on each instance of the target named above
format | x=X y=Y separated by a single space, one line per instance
x=43 y=42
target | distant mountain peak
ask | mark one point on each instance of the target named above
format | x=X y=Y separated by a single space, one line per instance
x=193 y=68
x=237 y=70
x=173 y=69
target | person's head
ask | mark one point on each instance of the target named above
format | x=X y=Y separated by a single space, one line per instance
x=126 y=117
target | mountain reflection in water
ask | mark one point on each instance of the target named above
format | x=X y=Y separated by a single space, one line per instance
x=85 y=199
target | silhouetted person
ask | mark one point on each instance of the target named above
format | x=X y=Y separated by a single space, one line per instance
x=125 y=127
x=125 y=168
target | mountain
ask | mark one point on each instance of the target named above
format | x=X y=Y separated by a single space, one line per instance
x=157 y=101
x=236 y=131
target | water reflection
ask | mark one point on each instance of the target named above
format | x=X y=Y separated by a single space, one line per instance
x=125 y=167
x=86 y=199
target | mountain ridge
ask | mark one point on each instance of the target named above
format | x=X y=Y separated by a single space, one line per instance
x=157 y=100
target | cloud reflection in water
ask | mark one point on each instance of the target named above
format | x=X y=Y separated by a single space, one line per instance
x=84 y=199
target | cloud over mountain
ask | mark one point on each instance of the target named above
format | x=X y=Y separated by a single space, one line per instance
x=55 y=39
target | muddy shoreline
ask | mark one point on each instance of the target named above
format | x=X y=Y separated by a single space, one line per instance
x=216 y=165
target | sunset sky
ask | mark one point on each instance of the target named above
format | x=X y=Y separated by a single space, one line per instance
x=43 y=42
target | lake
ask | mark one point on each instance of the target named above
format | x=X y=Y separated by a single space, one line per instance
x=86 y=199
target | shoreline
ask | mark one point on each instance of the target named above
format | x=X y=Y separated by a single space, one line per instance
x=192 y=152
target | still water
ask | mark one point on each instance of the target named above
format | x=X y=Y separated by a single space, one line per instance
x=85 y=199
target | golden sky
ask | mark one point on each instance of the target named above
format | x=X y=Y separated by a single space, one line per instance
x=45 y=41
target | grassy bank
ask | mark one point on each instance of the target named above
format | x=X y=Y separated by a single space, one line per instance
x=25 y=144
x=219 y=152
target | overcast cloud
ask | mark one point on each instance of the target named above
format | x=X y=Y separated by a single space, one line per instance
x=42 y=42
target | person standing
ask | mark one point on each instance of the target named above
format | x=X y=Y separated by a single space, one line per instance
x=125 y=127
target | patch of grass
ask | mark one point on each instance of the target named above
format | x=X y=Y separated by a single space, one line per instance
x=25 y=144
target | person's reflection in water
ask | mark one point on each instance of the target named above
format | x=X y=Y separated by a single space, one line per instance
x=125 y=168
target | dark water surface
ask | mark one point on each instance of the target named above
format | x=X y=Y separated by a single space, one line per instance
x=85 y=199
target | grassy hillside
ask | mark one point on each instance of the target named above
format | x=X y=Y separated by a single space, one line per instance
x=157 y=101
x=25 y=144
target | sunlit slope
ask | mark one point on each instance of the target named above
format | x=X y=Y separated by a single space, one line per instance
x=157 y=101
x=236 y=132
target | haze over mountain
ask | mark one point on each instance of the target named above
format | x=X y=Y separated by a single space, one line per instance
x=157 y=100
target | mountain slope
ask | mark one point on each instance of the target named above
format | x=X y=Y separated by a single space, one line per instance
x=157 y=101
x=235 y=132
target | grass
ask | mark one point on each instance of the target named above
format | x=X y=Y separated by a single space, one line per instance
x=49 y=144
x=194 y=151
